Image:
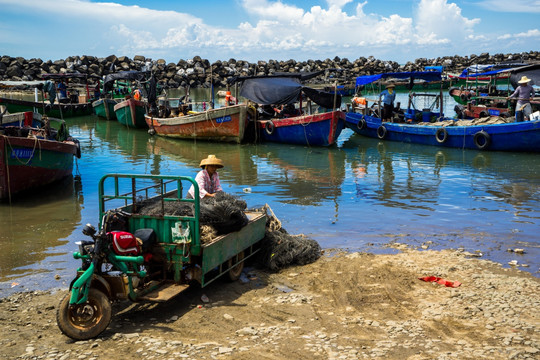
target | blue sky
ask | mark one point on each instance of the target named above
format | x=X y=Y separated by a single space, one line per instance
x=252 y=30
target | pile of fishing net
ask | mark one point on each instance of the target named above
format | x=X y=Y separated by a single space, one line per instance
x=221 y=214
x=280 y=249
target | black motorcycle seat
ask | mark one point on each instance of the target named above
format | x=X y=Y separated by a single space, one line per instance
x=147 y=236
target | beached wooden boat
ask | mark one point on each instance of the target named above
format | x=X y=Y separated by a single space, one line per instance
x=227 y=124
x=311 y=130
x=33 y=157
x=430 y=127
x=130 y=113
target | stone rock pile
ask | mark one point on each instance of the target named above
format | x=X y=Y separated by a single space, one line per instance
x=198 y=72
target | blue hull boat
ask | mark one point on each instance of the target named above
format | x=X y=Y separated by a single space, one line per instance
x=429 y=126
x=515 y=136
x=310 y=130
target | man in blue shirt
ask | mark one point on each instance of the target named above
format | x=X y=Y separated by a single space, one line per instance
x=388 y=97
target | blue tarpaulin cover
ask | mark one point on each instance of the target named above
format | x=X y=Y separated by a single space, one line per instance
x=420 y=75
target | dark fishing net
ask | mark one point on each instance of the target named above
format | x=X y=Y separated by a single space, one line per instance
x=153 y=207
x=280 y=249
x=224 y=212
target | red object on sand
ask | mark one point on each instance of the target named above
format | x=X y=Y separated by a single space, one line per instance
x=441 y=281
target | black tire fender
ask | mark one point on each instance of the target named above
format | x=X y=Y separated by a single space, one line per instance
x=441 y=135
x=361 y=124
x=381 y=132
x=482 y=140
x=269 y=127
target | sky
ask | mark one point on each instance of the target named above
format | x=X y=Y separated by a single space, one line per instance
x=252 y=30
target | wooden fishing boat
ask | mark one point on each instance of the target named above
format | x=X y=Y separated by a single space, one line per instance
x=72 y=105
x=115 y=92
x=292 y=113
x=32 y=157
x=27 y=118
x=130 y=113
x=430 y=127
x=485 y=98
x=104 y=108
x=311 y=130
x=227 y=124
x=57 y=110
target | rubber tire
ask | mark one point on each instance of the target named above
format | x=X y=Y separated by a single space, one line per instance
x=235 y=271
x=444 y=135
x=459 y=111
x=361 y=124
x=83 y=329
x=482 y=140
x=483 y=114
x=269 y=127
x=381 y=132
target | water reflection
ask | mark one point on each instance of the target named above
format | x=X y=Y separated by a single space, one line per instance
x=428 y=173
x=37 y=222
x=302 y=175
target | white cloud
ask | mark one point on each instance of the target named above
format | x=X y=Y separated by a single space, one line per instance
x=337 y=3
x=517 y=6
x=524 y=35
x=438 y=21
x=273 y=29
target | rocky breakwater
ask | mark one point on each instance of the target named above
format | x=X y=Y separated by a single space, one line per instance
x=199 y=72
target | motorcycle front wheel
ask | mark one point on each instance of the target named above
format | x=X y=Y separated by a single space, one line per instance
x=84 y=321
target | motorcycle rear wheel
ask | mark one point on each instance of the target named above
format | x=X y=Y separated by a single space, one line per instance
x=84 y=321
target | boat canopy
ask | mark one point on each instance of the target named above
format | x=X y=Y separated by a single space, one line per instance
x=282 y=89
x=531 y=71
x=134 y=75
x=62 y=76
x=414 y=75
x=9 y=83
x=487 y=70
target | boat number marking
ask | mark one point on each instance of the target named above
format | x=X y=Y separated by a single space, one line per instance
x=223 y=119
x=22 y=153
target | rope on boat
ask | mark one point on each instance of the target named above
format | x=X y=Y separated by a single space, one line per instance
x=36 y=142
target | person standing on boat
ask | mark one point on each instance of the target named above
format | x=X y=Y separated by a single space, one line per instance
x=207 y=178
x=62 y=92
x=388 y=97
x=524 y=92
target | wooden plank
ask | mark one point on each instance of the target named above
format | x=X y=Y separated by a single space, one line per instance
x=165 y=292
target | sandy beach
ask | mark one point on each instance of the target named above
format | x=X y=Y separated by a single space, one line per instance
x=343 y=306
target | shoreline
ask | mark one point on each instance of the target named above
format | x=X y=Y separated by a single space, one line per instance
x=58 y=281
x=345 y=305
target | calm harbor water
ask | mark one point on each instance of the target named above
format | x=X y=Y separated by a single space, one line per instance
x=359 y=195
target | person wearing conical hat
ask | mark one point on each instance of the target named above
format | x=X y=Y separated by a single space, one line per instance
x=524 y=92
x=388 y=97
x=207 y=178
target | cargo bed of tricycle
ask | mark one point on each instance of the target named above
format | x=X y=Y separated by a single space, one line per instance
x=178 y=239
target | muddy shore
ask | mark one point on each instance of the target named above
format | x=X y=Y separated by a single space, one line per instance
x=343 y=306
